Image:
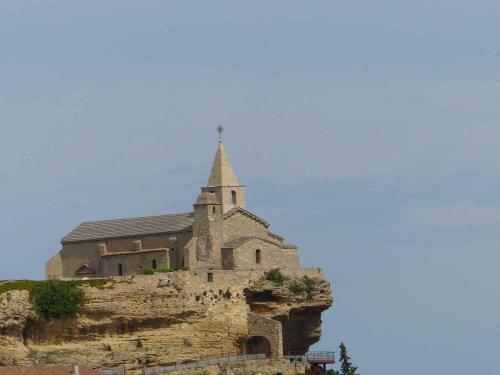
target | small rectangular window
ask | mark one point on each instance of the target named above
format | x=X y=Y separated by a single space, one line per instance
x=210 y=277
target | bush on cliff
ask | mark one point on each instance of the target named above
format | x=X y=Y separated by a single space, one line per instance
x=309 y=286
x=29 y=285
x=18 y=285
x=56 y=298
x=164 y=270
x=152 y=271
x=275 y=276
x=297 y=287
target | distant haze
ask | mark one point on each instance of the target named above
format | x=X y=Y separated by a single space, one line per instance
x=366 y=132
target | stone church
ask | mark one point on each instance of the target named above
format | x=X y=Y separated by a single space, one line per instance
x=219 y=234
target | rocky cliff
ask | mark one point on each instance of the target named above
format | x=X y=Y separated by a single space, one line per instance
x=165 y=318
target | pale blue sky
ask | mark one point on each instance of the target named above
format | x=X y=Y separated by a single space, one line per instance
x=367 y=132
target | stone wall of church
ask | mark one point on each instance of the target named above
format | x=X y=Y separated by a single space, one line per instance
x=271 y=256
x=289 y=259
x=74 y=255
x=175 y=242
x=54 y=267
x=225 y=196
x=240 y=225
x=134 y=263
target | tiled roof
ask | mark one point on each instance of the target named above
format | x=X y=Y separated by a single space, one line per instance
x=238 y=242
x=274 y=235
x=100 y=230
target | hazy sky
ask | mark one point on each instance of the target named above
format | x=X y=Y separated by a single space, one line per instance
x=367 y=132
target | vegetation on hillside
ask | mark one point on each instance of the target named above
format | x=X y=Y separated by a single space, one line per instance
x=30 y=284
x=275 y=276
x=54 y=298
x=57 y=298
x=305 y=285
x=296 y=287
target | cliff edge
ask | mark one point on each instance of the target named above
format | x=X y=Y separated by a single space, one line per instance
x=170 y=318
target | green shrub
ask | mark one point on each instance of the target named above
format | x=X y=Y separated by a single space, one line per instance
x=29 y=285
x=56 y=298
x=18 y=285
x=309 y=286
x=297 y=287
x=275 y=276
x=152 y=271
x=93 y=283
x=164 y=270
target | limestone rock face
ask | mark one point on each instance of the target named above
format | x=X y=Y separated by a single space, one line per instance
x=15 y=312
x=299 y=313
x=161 y=319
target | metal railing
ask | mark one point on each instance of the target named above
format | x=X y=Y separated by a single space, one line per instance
x=112 y=371
x=313 y=357
x=202 y=363
x=310 y=357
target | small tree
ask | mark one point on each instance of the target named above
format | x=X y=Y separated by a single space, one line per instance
x=346 y=367
x=56 y=298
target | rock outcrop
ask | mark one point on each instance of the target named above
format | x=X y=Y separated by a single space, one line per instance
x=163 y=319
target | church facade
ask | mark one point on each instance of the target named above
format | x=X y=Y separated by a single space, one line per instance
x=219 y=234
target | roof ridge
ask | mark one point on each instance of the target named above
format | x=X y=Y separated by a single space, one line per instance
x=136 y=217
x=244 y=239
x=246 y=212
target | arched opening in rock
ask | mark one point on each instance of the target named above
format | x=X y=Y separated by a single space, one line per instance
x=301 y=329
x=260 y=296
x=258 y=345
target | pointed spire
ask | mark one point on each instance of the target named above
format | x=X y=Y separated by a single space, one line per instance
x=222 y=173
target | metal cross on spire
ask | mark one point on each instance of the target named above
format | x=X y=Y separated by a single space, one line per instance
x=220 y=130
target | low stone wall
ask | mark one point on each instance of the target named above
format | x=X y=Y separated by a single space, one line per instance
x=301 y=272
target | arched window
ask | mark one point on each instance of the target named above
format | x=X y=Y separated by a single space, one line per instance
x=257 y=256
x=233 y=197
x=120 y=269
x=213 y=210
x=153 y=264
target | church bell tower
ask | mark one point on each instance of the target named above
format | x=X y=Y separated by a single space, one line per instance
x=222 y=193
x=223 y=182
